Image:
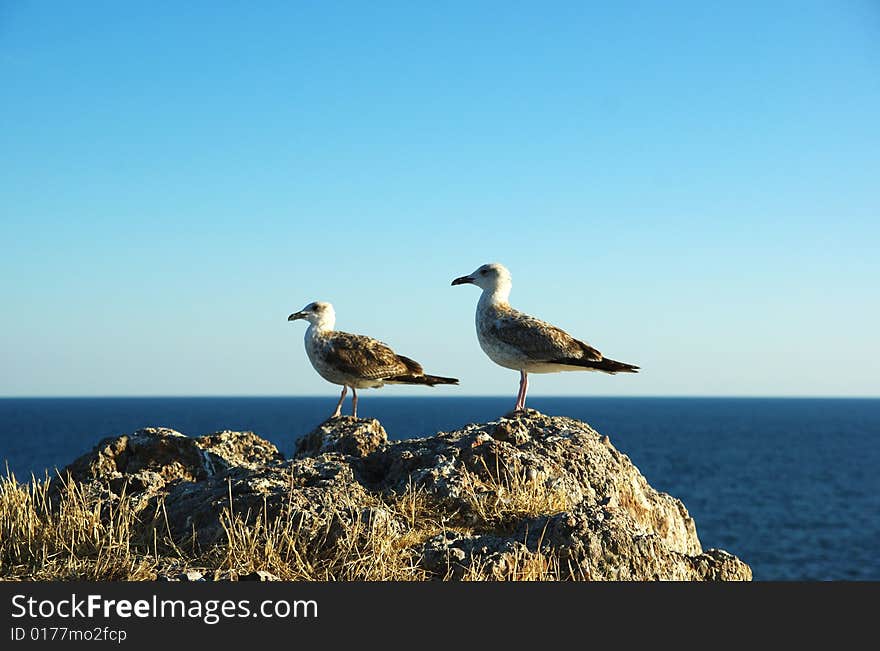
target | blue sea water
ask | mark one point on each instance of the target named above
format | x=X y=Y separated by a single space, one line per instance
x=791 y=486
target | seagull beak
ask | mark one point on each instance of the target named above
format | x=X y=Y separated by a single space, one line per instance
x=296 y=315
x=464 y=280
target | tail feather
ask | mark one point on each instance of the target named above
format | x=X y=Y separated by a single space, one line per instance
x=605 y=365
x=613 y=366
x=430 y=380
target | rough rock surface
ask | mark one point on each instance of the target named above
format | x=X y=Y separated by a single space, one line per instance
x=346 y=435
x=612 y=524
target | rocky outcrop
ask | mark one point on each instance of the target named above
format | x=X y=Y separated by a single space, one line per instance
x=527 y=486
x=346 y=435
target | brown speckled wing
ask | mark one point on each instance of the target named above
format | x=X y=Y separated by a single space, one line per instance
x=537 y=339
x=365 y=357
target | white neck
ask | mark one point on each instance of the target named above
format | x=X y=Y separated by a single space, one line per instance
x=323 y=324
x=498 y=294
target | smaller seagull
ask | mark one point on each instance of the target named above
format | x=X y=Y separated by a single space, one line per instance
x=355 y=361
x=523 y=343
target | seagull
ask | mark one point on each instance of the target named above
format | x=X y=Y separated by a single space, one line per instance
x=355 y=361
x=523 y=343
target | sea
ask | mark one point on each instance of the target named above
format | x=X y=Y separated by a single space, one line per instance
x=790 y=485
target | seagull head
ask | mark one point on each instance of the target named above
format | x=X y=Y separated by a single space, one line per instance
x=319 y=313
x=491 y=277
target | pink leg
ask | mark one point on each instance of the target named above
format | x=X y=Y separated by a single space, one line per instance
x=519 y=392
x=354 y=402
x=339 y=404
x=523 y=387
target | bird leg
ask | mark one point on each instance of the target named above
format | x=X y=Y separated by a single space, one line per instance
x=523 y=387
x=354 y=402
x=338 y=411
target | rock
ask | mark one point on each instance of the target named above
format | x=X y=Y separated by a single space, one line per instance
x=189 y=478
x=155 y=456
x=193 y=510
x=258 y=575
x=516 y=497
x=174 y=574
x=560 y=450
x=244 y=449
x=357 y=437
x=152 y=454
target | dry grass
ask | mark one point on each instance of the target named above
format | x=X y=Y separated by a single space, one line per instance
x=501 y=497
x=348 y=542
x=77 y=535
x=524 y=565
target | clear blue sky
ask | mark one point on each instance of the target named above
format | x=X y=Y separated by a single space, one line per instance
x=690 y=186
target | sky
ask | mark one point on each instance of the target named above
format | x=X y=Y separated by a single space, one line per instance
x=693 y=187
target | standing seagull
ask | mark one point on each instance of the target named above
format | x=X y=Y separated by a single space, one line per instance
x=523 y=343
x=355 y=361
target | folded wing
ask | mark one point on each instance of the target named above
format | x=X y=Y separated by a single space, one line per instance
x=366 y=357
x=540 y=341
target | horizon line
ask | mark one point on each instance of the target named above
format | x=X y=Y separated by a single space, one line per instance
x=440 y=397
